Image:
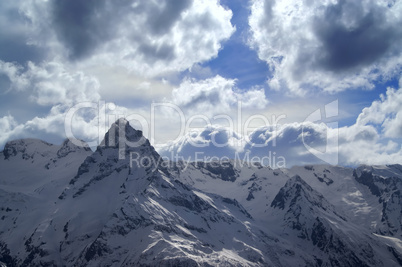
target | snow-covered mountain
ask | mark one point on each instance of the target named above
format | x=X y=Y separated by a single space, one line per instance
x=123 y=206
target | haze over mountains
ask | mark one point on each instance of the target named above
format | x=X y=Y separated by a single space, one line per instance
x=68 y=206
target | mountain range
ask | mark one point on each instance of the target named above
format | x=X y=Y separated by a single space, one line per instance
x=65 y=205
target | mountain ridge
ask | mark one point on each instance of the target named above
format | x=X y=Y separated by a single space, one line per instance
x=97 y=208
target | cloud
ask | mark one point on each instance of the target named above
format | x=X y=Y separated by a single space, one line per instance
x=55 y=89
x=7 y=125
x=146 y=37
x=373 y=139
x=50 y=83
x=55 y=54
x=119 y=85
x=14 y=35
x=363 y=145
x=288 y=141
x=215 y=94
x=278 y=146
x=386 y=113
x=288 y=145
x=330 y=45
x=86 y=122
x=202 y=144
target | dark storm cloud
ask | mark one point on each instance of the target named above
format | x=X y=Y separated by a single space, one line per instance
x=79 y=26
x=14 y=36
x=327 y=45
x=362 y=44
x=154 y=53
x=164 y=18
x=83 y=26
x=15 y=49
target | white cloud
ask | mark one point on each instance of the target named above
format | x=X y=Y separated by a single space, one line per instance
x=373 y=139
x=147 y=37
x=214 y=95
x=93 y=50
x=274 y=145
x=330 y=45
x=89 y=124
x=7 y=125
x=51 y=83
x=386 y=113
x=119 y=51
x=118 y=84
x=203 y=143
x=56 y=89
x=77 y=51
x=12 y=72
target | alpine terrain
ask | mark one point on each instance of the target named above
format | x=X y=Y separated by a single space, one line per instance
x=123 y=205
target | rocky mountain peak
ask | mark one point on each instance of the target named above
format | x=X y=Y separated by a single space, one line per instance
x=121 y=134
x=295 y=191
x=69 y=146
x=26 y=147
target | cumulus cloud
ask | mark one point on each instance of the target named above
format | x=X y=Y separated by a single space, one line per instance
x=50 y=83
x=146 y=37
x=364 y=145
x=88 y=122
x=373 y=139
x=54 y=88
x=330 y=45
x=55 y=54
x=203 y=144
x=288 y=140
x=215 y=94
x=386 y=113
x=277 y=146
x=7 y=125
x=288 y=145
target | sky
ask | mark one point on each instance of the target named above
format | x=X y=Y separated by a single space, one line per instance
x=298 y=82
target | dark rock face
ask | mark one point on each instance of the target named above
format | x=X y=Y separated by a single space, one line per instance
x=295 y=190
x=396 y=254
x=388 y=191
x=68 y=147
x=224 y=171
x=367 y=179
x=121 y=134
x=253 y=188
x=10 y=150
x=311 y=217
x=5 y=256
x=319 y=234
x=324 y=179
x=195 y=204
x=392 y=215
x=20 y=146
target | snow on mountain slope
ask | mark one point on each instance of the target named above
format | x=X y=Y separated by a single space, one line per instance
x=385 y=184
x=300 y=211
x=344 y=219
x=253 y=186
x=340 y=188
x=123 y=206
x=28 y=164
x=368 y=195
x=113 y=214
x=33 y=173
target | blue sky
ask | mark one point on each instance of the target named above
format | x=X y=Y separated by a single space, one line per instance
x=237 y=60
x=276 y=58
